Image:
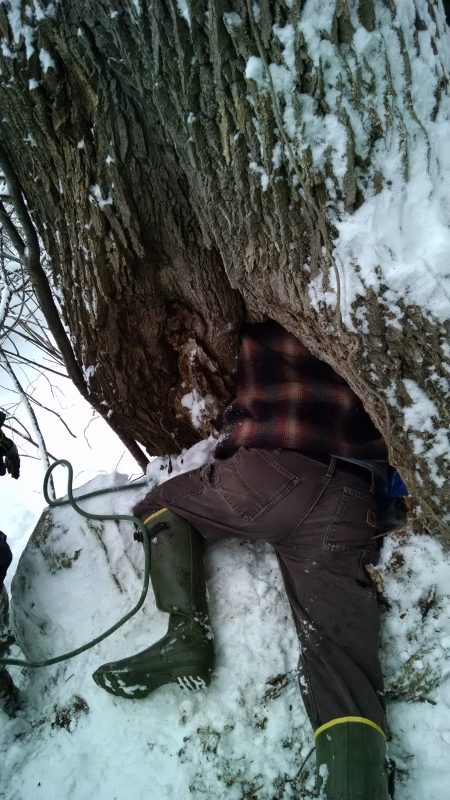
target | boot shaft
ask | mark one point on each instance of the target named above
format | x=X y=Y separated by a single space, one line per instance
x=176 y=571
x=185 y=655
x=350 y=756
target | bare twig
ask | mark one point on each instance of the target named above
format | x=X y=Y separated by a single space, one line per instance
x=51 y=411
x=11 y=230
x=34 y=365
x=27 y=438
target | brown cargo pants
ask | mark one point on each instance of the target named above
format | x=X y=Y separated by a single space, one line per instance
x=320 y=519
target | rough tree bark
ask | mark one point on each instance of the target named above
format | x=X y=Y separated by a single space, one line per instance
x=173 y=204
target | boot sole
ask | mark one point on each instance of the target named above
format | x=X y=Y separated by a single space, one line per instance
x=135 y=688
x=191 y=683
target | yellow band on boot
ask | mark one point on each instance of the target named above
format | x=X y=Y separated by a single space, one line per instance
x=155 y=514
x=341 y=720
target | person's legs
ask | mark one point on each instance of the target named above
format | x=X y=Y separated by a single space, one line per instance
x=321 y=521
x=216 y=507
x=335 y=610
x=337 y=619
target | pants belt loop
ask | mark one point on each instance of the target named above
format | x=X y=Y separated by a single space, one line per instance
x=331 y=467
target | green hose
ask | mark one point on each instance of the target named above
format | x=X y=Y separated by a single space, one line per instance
x=125 y=517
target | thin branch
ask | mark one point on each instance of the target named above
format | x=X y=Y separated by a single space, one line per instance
x=51 y=411
x=11 y=229
x=4 y=305
x=7 y=292
x=33 y=340
x=35 y=365
x=27 y=438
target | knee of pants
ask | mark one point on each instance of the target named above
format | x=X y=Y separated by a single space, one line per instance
x=152 y=502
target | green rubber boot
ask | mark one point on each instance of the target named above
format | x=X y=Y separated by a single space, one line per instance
x=185 y=654
x=350 y=757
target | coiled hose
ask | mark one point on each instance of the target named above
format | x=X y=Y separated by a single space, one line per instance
x=118 y=517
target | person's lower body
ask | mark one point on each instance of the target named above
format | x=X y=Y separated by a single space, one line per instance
x=320 y=518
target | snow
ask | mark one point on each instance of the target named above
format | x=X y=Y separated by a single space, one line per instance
x=183 y=740
x=29 y=138
x=254 y=167
x=409 y=235
x=96 y=195
x=233 y=20
x=137 y=6
x=317 y=293
x=4 y=303
x=183 y=10
x=426 y=437
x=89 y=371
x=254 y=71
x=276 y=155
x=196 y=405
x=47 y=62
x=421 y=411
x=19 y=30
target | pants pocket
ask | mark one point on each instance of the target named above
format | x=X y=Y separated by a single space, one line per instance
x=353 y=520
x=252 y=481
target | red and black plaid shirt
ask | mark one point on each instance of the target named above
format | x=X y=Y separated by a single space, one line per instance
x=286 y=397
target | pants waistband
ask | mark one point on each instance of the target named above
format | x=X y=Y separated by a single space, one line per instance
x=342 y=465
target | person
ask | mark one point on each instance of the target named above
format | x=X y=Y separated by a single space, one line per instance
x=297 y=464
x=9 y=462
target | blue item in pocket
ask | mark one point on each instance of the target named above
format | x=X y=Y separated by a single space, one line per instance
x=395 y=486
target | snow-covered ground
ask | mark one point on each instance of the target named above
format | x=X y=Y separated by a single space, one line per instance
x=247 y=735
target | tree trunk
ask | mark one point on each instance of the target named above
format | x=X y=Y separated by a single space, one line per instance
x=188 y=166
